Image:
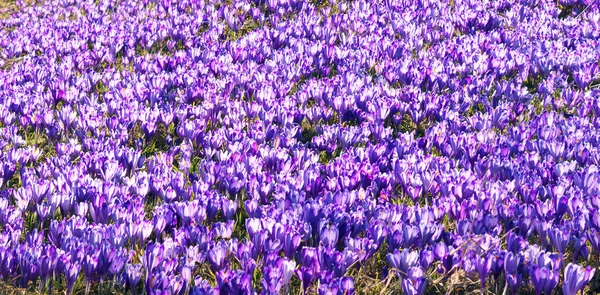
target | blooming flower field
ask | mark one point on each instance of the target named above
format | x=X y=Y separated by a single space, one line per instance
x=300 y=147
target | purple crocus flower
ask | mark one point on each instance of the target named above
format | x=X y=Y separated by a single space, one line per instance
x=272 y=281
x=410 y=235
x=306 y=276
x=234 y=282
x=328 y=234
x=403 y=260
x=133 y=274
x=580 y=249
x=543 y=279
x=426 y=259
x=216 y=257
x=71 y=273
x=415 y=282
x=513 y=276
x=395 y=240
x=48 y=261
x=593 y=236
x=560 y=239
x=575 y=278
x=347 y=286
x=291 y=241
x=483 y=266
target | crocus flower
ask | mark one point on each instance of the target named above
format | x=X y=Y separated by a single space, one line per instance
x=288 y=268
x=133 y=275
x=71 y=273
x=543 y=279
x=306 y=276
x=216 y=257
x=580 y=249
x=328 y=234
x=575 y=278
x=415 y=282
x=483 y=266
x=593 y=236
x=347 y=286
x=403 y=260
x=560 y=239
x=272 y=281
x=426 y=259
x=290 y=244
x=513 y=276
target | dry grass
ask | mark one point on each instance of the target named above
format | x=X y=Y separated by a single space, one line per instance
x=7 y=7
x=9 y=289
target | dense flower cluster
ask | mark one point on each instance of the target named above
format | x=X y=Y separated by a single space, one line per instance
x=242 y=147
